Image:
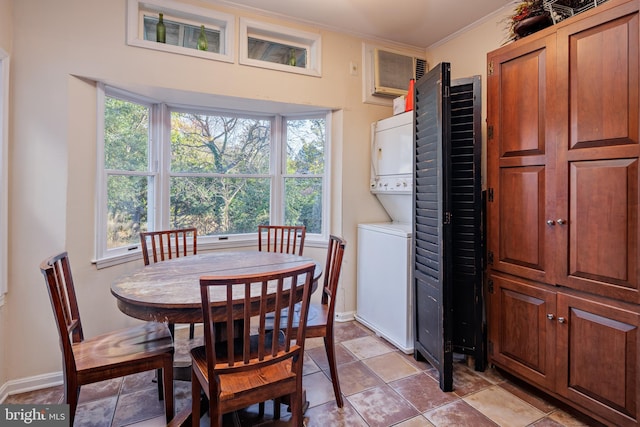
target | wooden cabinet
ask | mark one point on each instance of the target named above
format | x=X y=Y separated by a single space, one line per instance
x=521 y=334
x=521 y=159
x=581 y=348
x=563 y=224
x=598 y=356
x=597 y=153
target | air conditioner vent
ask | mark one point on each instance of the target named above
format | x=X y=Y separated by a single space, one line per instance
x=421 y=68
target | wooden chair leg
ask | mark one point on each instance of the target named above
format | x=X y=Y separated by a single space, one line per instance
x=236 y=419
x=160 y=382
x=195 y=402
x=214 y=414
x=192 y=328
x=296 y=409
x=276 y=408
x=71 y=395
x=261 y=409
x=333 y=369
x=167 y=380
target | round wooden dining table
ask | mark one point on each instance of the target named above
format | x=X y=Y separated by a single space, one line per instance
x=169 y=291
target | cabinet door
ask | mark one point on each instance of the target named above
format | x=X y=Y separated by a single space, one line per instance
x=598 y=357
x=521 y=159
x=522 y=329
x=597 y=170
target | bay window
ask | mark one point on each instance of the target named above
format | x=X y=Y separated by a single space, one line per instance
x=223 y=172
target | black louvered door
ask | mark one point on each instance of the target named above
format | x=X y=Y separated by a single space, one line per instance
x=448 y=215
x=432 y=223
x=466 y=210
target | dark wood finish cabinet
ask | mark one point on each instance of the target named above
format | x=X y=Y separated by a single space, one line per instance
x=562 y=212
x=598 y=356
x=597 y=153
x=521 y=335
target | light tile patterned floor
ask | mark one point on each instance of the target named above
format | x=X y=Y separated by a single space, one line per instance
x=382 y=387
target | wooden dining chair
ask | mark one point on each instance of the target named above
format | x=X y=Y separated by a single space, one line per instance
x=161 y=245
x=115 y=354
x=287 y=239
x=258 y=365
x=321 y=315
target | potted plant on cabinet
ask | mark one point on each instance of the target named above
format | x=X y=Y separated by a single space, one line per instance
x=528 y=17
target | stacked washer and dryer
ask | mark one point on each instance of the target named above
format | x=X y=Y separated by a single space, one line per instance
x=384 y=292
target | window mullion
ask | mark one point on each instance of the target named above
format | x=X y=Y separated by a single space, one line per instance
x=278 y=154
x=162 y=150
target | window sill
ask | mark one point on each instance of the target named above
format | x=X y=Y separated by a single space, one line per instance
x=117 y=260
x=205 y=244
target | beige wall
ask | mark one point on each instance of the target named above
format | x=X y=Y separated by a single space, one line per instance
x=6 y=27
x=467 y=54
x=6 y=34
x=57 y=54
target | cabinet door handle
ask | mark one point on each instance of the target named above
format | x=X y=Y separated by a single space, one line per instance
x=561 y=221
x=551 y=222
x=550 y=316
x=562 y=320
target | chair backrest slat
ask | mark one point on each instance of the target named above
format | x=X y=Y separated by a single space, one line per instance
x=230 y=327
x=168 y=244
x=287 y=239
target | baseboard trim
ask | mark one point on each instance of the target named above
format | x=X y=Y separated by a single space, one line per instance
x=24 y=385
x=345 y=316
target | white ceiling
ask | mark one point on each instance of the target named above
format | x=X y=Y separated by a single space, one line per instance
x=417 y=23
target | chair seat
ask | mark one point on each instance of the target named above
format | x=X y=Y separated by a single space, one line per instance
x=316 y=322
x=123 y=346
x=234 y=385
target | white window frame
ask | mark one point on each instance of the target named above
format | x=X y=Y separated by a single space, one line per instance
x=159 y=161
x=183 y=13
x=280 y=156
x=4 y=174
x=311 y=42
x=107 y=257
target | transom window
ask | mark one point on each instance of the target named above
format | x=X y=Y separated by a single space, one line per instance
x=222 y=172
x=179 y=33
x=279 y=48
x=183 y=23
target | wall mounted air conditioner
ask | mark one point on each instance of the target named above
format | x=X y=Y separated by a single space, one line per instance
x=384 y=67
x=392 y=72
